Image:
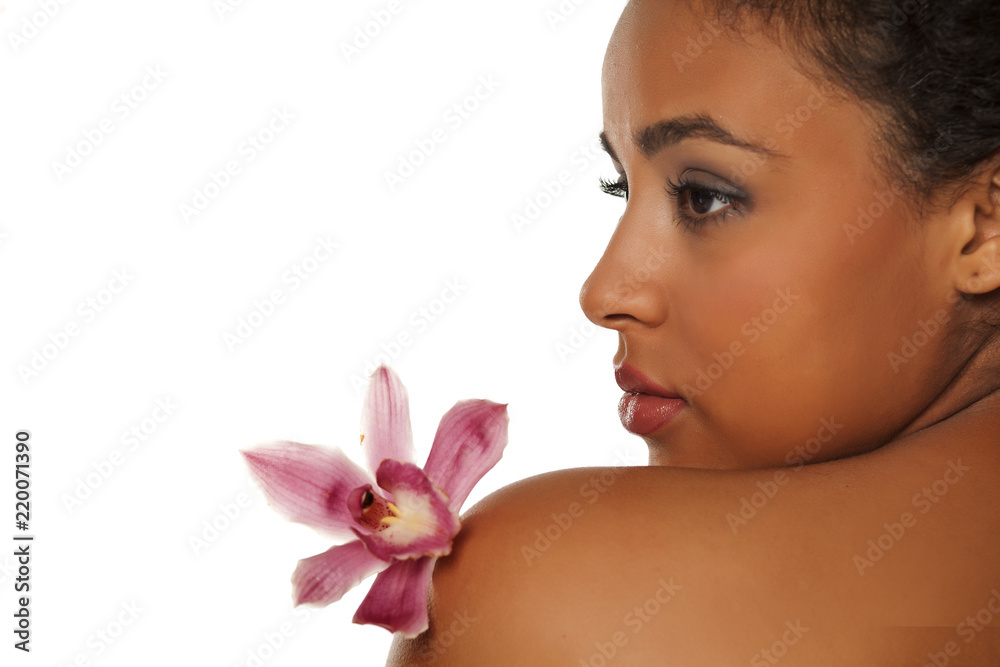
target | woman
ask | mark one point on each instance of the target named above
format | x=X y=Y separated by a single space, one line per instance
x=804 y=283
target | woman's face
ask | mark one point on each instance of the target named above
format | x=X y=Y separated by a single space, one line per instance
x=766 y=270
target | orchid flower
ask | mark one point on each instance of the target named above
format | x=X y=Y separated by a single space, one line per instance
x=404 y=517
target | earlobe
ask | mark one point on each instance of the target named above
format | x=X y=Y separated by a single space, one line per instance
x=978 y=268
x=982 y=270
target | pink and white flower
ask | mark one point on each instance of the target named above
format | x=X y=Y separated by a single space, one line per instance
x=404 y=518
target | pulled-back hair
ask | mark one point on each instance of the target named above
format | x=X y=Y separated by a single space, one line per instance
x=929 y=68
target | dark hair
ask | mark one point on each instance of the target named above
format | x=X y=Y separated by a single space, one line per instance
x=931 y=67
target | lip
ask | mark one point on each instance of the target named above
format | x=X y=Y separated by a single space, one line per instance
x=645 y=406
x=634 y=382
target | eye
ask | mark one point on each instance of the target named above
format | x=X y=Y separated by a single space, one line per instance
x=703 y=202
x=617 y=188
x=698 y=203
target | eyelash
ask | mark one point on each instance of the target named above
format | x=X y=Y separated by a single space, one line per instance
x=677 y=192
x=617 y=188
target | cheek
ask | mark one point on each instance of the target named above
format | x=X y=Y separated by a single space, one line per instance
x=863 y=289
x=735 y=302
x=804 y=286
x=815 y=317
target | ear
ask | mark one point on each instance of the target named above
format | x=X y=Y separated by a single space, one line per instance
x=977 y=214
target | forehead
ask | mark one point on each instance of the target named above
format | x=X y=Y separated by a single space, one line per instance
x=667 y=60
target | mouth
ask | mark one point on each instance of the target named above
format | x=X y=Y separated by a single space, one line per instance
x=645 y=406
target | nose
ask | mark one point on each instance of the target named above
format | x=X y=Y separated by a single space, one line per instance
x=628 y=285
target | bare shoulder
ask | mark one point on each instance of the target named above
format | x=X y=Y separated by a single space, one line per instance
x=581 y=566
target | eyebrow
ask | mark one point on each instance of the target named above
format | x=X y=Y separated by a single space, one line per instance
x=655 y=138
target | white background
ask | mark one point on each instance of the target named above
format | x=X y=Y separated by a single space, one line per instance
x=117 y=520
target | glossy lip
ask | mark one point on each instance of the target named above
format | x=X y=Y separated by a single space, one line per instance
x=645 y=406
x=634 y=382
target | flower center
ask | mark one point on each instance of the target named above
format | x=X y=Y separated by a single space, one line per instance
x=412 y=515
x=374 y=510
x=409 y=517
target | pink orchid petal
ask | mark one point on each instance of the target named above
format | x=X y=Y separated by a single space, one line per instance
x=470 y=440
x=385 y=420
x=308 y=484
x=424 y=526
x=324 y=578
x=397 y=600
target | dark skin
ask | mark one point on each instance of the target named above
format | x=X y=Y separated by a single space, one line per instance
x=886 y=543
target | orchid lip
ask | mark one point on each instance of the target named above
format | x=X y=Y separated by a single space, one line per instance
x=417 y=522
x=370 y=510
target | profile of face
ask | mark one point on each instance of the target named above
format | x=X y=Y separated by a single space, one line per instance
x=767 y=269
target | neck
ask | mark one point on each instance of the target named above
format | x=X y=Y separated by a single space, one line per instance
x=974 y=388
